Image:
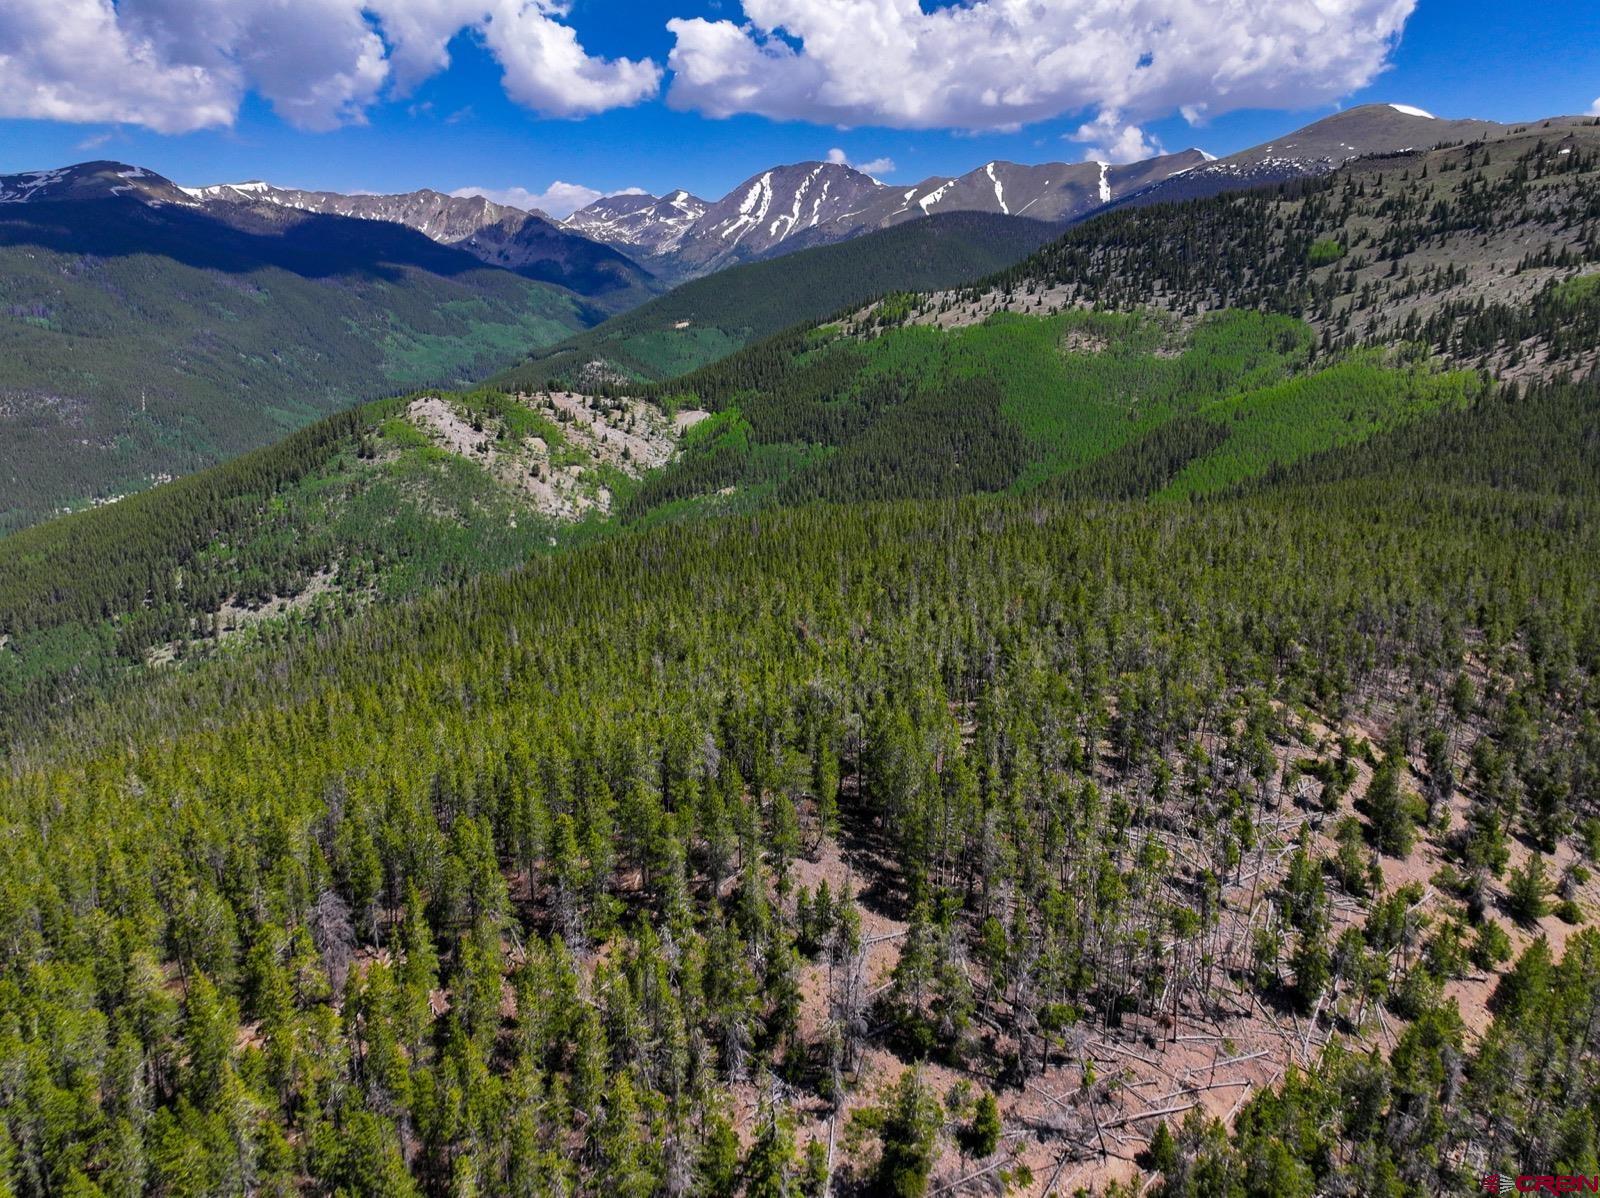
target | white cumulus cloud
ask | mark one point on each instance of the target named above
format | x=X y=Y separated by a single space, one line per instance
x=544 y=66
x=997 y=64
x=1113 y=140
x=876 y=167
x=180 y=65
x=78 y=60
x=560 y=199
x=1595 y=107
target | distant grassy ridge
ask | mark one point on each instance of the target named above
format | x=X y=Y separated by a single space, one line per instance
x=724 y=311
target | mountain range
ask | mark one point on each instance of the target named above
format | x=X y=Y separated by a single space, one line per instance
x=782 y=275
x=779 y=209
x=529 y=243
x=206 y=348
x=145 y=332
x=805 y=204
x=648 y=225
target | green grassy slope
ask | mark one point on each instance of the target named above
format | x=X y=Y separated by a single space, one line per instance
x=722 y=312
x=137 y=343
x=1022 y=402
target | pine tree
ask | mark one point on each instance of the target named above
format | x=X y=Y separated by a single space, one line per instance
x=981 y=1135
x=626 y=1167
x=208 y=1032
x=717 y=1167
x=907 y=1125
x=418 y=973
x=1528 y=891
x=769 y=1170
x=1394 y=813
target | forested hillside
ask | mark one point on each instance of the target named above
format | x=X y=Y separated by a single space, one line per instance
x=902 y=844
x=1146 y=404
x=374 y=505
x=140 y=342
x=1176 y=349
x=703 y=320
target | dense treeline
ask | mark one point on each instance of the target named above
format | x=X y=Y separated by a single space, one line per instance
x=520 y=889
x=1545 y=434
x=939 y=443
x=1147 y=465
x=358 y=508
x=83 y=597
x=130 y=555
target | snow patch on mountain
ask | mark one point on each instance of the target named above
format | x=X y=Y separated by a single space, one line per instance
x=19 y=189
x=218 y=191
x=999 y=190
x=937 y=194
x=753 y=209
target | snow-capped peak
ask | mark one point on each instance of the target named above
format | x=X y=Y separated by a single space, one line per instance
x=89 y=181
x=637 y=221
x=28 y=185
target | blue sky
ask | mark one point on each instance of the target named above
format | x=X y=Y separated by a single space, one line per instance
x=457 y=127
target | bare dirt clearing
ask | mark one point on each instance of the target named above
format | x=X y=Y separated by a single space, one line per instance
x=571 y=467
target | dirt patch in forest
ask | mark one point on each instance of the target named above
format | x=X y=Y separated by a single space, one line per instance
x=572 y=469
